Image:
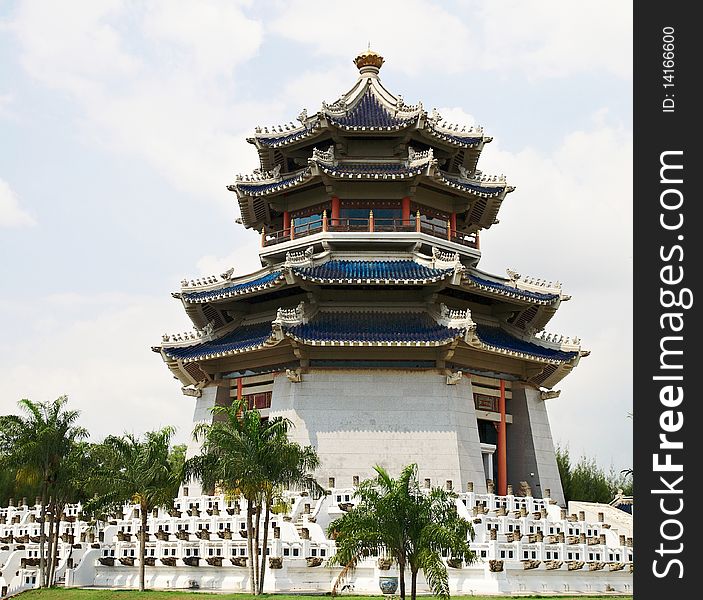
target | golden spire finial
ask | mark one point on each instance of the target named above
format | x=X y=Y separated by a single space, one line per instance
x=369 y=58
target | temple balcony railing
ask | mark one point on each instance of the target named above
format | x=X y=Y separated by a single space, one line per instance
x=368 y=225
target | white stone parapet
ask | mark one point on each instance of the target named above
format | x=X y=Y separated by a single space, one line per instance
x=522 y=543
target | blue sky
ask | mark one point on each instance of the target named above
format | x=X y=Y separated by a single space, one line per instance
x=122 y=122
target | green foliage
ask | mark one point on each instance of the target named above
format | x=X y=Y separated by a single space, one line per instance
x=242 y=454
x=587 y=482
x=143 y=471
x=396 y=519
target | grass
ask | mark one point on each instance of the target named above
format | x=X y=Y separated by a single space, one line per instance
x=109 y=594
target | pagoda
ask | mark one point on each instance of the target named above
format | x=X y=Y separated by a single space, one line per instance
x=370 y=324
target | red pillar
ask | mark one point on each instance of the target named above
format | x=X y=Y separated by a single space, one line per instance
x=405 y=208
x=371 y=226
x=452 y=220
x=335 y=211
x=286 y=222
x=240 y=387
x=478 y=242
x=502 y=456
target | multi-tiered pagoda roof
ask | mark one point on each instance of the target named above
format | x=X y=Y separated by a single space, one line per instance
x=369 y=213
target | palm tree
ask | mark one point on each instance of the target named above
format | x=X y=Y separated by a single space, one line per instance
x=395 y=518
x=138 y=471
x=71 y=486
x=248 y=456
x=288 y=467
x=37 y=445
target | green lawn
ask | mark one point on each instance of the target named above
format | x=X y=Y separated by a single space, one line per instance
x=76 y=594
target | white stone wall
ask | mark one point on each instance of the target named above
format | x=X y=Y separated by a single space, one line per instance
x=530 y=445
x=201 y=414
x=359 y=418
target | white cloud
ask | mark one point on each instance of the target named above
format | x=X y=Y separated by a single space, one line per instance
x=412 y=34
x=6 y=102
x=154 y=82
x=570 y=219
x=540 y=38
x=97 y=350
x=545 y=38
x=11 y=215
x=244 y=260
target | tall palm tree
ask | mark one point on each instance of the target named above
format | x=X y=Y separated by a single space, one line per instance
x=288 y=466
x=37 y=445
x=396 y=519
x=139 y=471
x=252 y=457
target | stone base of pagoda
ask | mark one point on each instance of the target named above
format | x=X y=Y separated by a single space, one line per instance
x=360 y=418
x=531 y=455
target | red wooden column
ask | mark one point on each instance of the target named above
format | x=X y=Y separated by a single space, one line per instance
x=452 y=221
x=502 y=455
x=239 y=393
x=286 y=222
x=335 y=211
x=405 y=210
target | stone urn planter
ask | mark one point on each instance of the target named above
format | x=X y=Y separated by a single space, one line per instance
x=388 y=584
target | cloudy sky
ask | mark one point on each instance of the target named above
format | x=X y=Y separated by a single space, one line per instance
x=121 y=123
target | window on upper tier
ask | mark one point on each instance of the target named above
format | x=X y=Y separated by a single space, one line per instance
x=307 y=223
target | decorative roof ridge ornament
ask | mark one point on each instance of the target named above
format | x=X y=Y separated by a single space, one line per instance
x=260 y=176
x=557 y=341
x=195 y=391
x=535 y=284
x=189 y=338
x=419 y=157
x=434 y=119
x=288 y=317
x=456 y=319
x=447 y=260
x=200 y=282
x=478 y=176
x=549 y=394
x=213 y=282
x=338 y=106
x=324 y=156
x=300 y=258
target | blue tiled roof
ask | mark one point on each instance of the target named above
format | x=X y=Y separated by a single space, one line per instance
x=382 y=169
x=455 y=137
x=498 y=338
x=370 y=167
x=406 y=327
x=283 y=139
x=242 y=338
x=232 y=290
x=260 y=188
x=369 y=112
x=506 y=289
x=474 y=187
x=374 y=270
